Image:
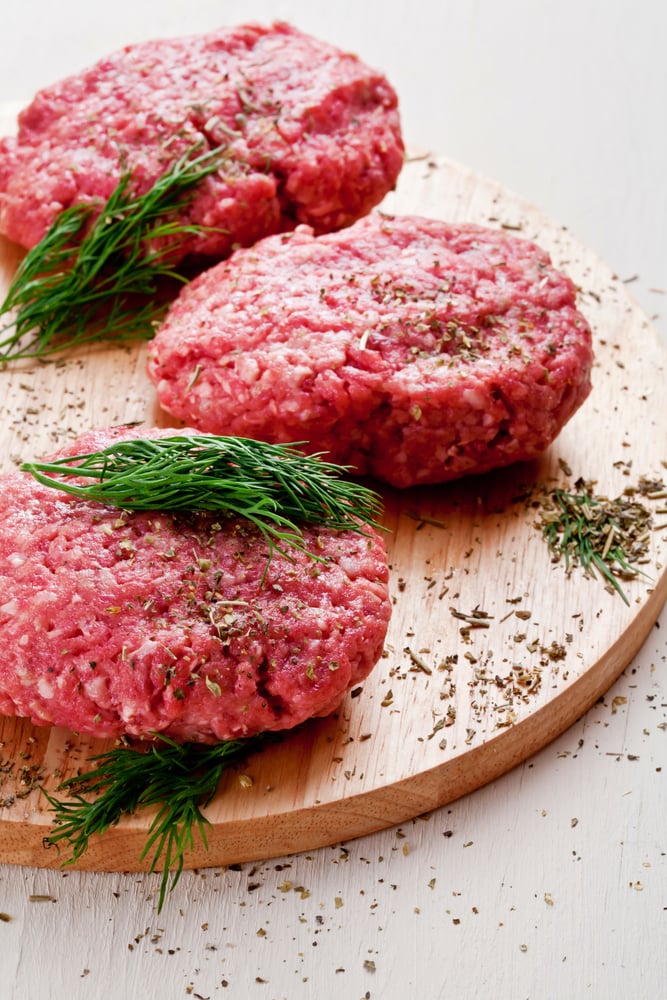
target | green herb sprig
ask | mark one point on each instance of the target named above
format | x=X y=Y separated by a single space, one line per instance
x=596 y=533
x=180 y=779
x=82 y=281
x=276 y=487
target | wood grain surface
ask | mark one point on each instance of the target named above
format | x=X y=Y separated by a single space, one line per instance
x=449 y=707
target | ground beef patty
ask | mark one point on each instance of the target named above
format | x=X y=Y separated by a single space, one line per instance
x=114 y=622
x=313 y=135
x=414 y=350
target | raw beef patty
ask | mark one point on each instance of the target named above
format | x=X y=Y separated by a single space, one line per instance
x=413 y=350
x=130 y=623
x=312 y=135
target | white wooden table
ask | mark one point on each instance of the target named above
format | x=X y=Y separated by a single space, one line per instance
x=552 y=881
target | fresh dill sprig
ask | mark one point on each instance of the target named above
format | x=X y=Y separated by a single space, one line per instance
x=274 y=486
x=596 y=533
x=180 y=779
x=81 y=282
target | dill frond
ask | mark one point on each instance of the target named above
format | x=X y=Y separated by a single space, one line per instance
x=181 y=779
x=95 y=273
x=274 y=486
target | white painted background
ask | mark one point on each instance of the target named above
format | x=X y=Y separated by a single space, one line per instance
x=552 y=882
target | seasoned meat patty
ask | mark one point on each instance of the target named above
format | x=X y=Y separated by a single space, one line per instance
x=312 y=135
x=414 y=350
x=131 y=623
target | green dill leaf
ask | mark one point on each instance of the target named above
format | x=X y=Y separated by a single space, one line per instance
x=89 y=277
x=181 y=779
x=276 y=487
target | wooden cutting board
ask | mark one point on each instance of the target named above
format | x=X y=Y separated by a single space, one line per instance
x=449 y=707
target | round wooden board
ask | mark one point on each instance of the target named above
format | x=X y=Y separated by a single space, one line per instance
x=449 y=707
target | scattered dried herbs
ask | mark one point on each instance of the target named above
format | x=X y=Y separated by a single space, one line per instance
x=596 y=533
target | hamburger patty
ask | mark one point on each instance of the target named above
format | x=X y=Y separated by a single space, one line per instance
x=312 y=135
x=131 y=623
x=413 y=350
